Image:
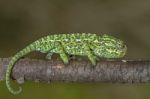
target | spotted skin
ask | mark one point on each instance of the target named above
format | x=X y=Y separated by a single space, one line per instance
x=83 y=44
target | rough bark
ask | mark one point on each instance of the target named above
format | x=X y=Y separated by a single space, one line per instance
x=120 y=71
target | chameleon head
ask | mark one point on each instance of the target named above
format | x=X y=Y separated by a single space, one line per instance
x=110 y=47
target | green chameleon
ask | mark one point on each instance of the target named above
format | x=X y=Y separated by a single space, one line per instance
x=83 y=44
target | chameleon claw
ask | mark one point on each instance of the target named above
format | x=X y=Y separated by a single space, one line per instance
x=49 y=56
x=65 y=62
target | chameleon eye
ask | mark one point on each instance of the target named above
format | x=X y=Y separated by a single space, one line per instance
x=105 y=35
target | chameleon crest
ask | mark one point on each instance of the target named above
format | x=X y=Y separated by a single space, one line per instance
x=84 y=44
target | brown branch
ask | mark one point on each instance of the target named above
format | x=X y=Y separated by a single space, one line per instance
x=78 y=71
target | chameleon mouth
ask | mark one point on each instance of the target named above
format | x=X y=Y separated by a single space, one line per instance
x=123 y=51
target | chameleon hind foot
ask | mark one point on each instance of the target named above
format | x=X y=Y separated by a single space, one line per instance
x=64 y=57
x=92 y=58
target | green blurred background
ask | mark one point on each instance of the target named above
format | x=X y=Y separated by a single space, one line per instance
x=24 y=21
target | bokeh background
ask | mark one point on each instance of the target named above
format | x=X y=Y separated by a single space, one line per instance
x=23 y=21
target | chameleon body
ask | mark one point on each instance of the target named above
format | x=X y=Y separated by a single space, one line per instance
x=83 y=44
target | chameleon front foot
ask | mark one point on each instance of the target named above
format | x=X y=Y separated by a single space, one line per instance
x=49 y=56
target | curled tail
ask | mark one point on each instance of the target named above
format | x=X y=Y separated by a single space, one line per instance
x=14 y=59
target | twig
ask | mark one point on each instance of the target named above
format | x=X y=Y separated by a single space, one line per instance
x=120 y=71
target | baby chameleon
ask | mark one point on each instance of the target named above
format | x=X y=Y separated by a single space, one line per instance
x=83 y=44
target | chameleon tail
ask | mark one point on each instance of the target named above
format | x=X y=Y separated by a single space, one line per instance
x=14 y=59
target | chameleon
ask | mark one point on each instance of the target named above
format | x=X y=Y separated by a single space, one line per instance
x=92 y=45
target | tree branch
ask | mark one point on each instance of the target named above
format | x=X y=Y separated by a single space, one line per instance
x=78 y=71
